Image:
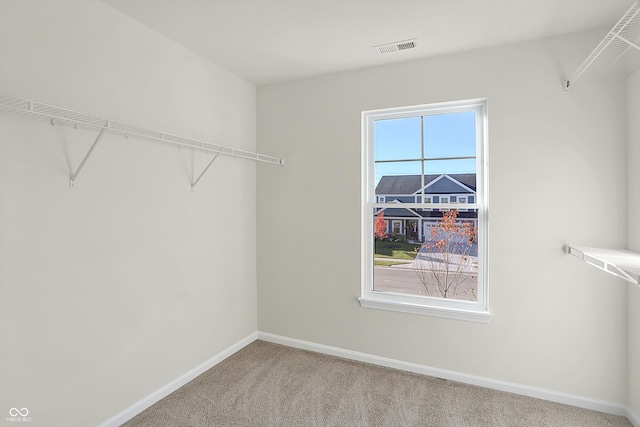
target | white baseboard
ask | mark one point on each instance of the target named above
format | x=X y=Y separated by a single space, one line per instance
x=163 y=392
x=553 y=396
x=633 y=418
x=538 y=393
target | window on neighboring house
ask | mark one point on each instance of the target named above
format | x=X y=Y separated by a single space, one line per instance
x=427 y=200
x=438 y=262
x=462 y=200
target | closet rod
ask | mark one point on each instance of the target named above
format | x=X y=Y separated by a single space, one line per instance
x=57 y=115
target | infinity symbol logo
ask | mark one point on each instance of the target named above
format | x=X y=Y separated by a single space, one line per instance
x=14 y=412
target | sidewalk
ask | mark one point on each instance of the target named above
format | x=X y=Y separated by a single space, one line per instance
x=470 y=266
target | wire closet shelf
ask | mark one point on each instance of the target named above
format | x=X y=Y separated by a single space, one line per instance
x=57 y=115
x=622 y=263
x=624 y=36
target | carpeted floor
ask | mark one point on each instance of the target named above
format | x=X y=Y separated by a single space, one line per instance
x=267 y=384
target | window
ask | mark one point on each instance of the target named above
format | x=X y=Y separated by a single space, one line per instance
x=462 y=200
x=433 y=260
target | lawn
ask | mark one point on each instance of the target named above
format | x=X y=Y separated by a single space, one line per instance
x=396 y=250
x=389 y=263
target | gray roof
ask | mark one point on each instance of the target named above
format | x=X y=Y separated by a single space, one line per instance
x=401 y=212
x=409 y=184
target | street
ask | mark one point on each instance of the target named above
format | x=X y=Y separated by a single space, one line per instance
x=406 y=281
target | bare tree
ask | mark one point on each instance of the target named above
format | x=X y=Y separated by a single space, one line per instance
x=444 y=263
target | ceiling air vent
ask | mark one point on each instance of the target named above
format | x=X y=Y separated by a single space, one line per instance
x=396 y=46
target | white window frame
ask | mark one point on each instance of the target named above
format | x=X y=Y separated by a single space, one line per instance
x=477 y=311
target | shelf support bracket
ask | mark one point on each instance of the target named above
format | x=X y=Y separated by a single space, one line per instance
x=602 y=262
x=72 y=180
x=193 y=184
x=629 y=42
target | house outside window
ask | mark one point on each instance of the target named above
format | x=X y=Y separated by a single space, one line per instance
x=425 y=161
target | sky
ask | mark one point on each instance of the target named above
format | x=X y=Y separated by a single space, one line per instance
x=445 y=135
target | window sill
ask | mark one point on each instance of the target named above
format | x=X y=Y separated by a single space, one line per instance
x=385 y=302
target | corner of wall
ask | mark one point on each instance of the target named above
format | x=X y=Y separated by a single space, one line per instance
x=633 y=243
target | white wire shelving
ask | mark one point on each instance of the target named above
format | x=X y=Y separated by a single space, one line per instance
x=57 y=115
x=625 y=35
x=619 y=262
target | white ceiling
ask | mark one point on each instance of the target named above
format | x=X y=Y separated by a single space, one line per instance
x=266 y=41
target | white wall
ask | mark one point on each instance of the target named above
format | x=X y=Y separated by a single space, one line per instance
x=116 y=287
x=633 y=193
x=557 y=174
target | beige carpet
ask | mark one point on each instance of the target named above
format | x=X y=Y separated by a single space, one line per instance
x=267 y=384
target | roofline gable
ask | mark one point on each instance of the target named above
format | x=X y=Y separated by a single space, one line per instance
x=400 y=207
x=450 y=178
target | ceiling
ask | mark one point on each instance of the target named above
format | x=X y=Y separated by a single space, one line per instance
x=267 y=41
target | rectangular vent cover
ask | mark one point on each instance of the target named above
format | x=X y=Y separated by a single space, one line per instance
x=396 y=46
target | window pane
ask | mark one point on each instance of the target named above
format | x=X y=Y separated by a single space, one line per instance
x=421 y=252
x=449 y=166
x=444 y=265
x=450 y=135
x=398 y=139
x=398 y=186
x=395 y=247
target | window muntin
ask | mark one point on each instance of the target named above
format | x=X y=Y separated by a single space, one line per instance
x=445 y=161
